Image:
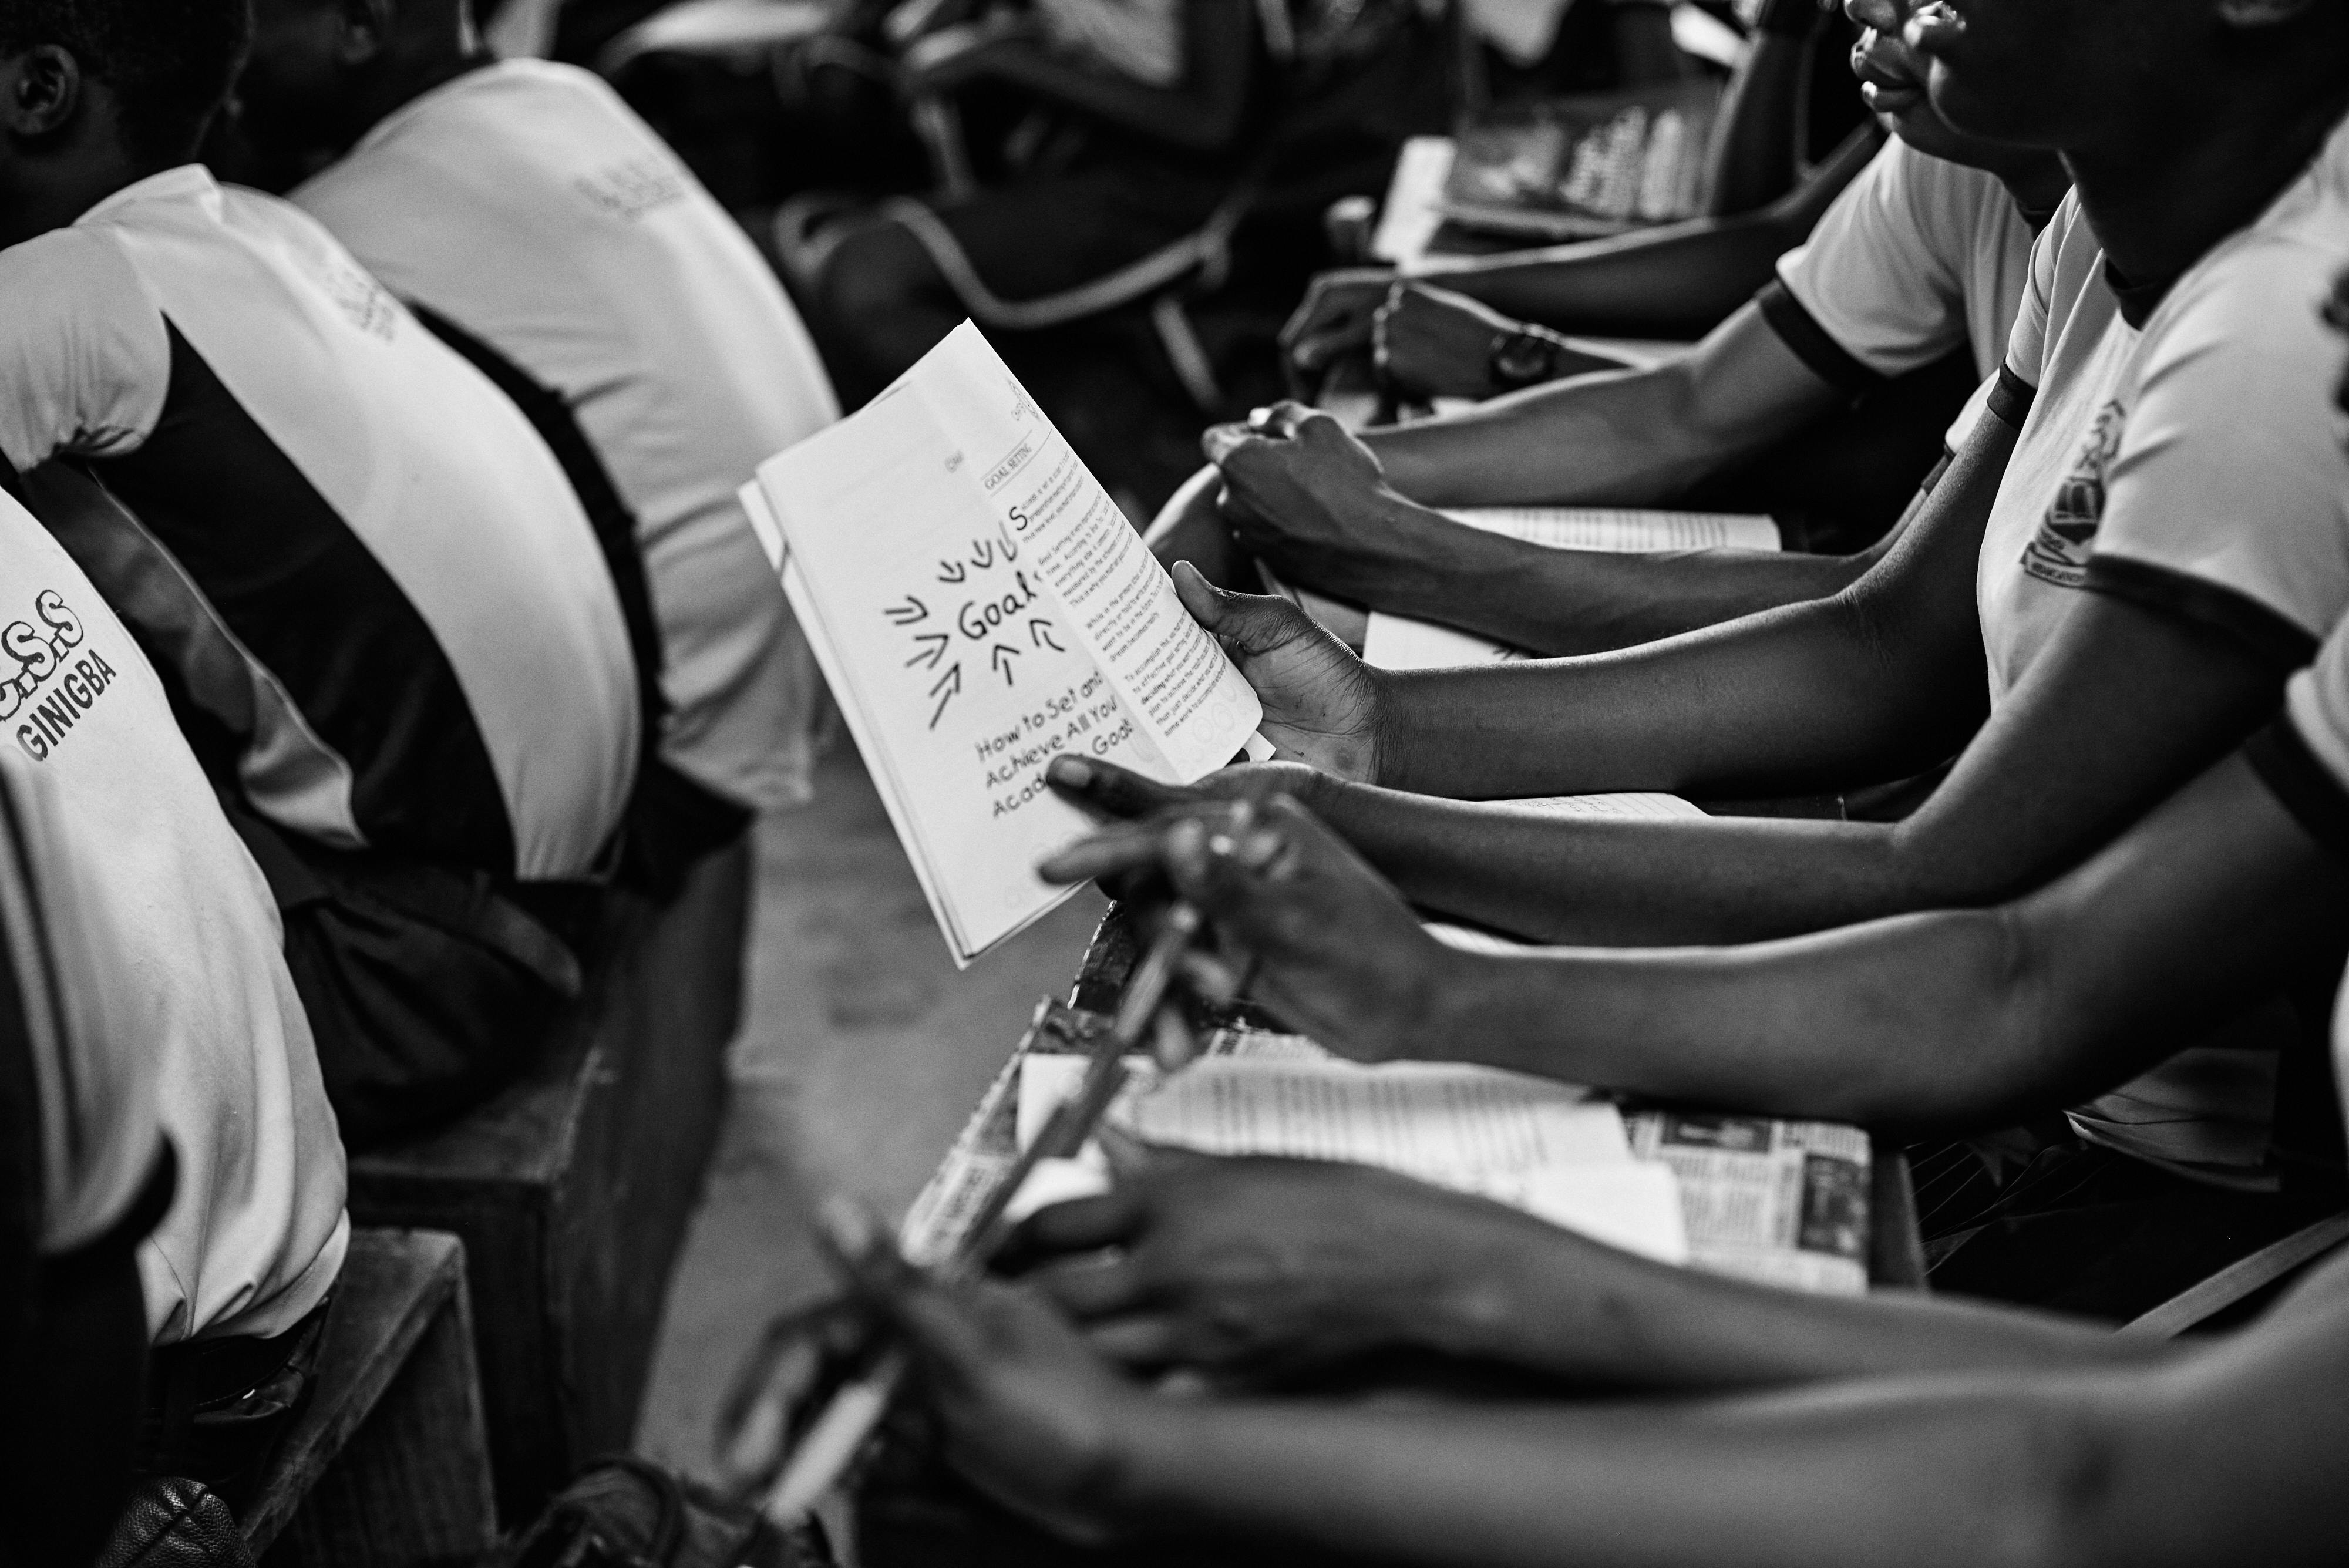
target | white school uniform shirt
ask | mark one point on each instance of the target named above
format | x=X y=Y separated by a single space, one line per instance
x=529 y=205
x=1917 y=257
x=183 y=939
x=93 y=1079
x=2303 y=758
x=358 y=555
x=2193 y=465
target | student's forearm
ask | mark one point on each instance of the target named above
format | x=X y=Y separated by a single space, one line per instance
x=1590 y=1315
x=1673 y=281
x=1624 y=437
x=1947 y=1020
x=2226 y=1451
x=1884 y=677
x=1806 y=696
x=1958 y=1471
x=1617 y=883
x=1555 y=602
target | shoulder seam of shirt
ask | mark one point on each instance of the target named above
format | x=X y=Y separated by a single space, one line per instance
x=2167 y=591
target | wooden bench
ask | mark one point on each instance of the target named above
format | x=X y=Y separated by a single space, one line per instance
x=571 y=1189
x=390 y=1464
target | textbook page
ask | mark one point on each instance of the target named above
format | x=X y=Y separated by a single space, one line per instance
x=1188 y=700
x=1429 y=1118
x=979 y=606
x=1538 y=1146
x=1400 y=642
x=1626 y=529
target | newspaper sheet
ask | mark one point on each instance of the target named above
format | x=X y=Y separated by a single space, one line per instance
x=1782 y=1202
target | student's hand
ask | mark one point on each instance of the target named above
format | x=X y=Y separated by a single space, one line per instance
x=1436 y=343
x=1030 y=1412
x=1439 y=344
x=1320 y=702
x=1261 y=1268
x=1334 y=319
x=1302 y=493
x=1301 y=923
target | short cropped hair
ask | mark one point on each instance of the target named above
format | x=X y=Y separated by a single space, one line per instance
x=170 y=63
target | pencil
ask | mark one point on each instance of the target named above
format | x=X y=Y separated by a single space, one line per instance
x=831 y=1444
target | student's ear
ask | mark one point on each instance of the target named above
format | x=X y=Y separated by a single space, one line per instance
x=2251 y=14
x=39 y=90
x=365 y=31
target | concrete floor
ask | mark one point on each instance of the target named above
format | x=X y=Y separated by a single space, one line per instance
x=862 y=1052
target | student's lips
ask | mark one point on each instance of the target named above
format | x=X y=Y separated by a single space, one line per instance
x=1892 y=99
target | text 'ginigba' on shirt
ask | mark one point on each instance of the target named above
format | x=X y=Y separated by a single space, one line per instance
x=44 y=683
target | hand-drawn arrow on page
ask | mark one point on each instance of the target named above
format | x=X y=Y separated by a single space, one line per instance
x=906 y=613
x=1002 y=659
x=949 y=683
x=934 y=648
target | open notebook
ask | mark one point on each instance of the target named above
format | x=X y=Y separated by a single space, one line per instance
x=1548 y=1149
x=980 y=605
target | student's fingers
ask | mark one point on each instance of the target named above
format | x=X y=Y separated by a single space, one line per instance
x=1220 y=442
x=1112 y=852
x=1220 y=864
x=1107 y=790
x=1080 y=1225
x=1139 y=1339
x=1251 y=623
x=1333 y=319
x=946 y=1331
x=1211 y=979
x=1089 y=1288
x=1282 y=420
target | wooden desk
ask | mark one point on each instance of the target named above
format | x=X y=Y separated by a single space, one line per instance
x=389 y=1463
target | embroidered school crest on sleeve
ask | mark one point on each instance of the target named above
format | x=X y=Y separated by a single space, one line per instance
x=2059 y=552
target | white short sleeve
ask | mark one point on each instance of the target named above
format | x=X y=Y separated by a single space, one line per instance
x=2317 y=702
x=84 y=357
x=1884 y=273
x=2230 y=473
x=2026 y=345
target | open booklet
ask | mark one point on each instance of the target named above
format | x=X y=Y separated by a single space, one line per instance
x=1783 y=1201
x=980 y=605
x=1400 y=642
x=1548 y=1149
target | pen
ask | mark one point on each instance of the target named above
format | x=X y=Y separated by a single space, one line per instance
x=833 y=1442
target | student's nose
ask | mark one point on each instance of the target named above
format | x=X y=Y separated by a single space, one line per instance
x=1885 y=15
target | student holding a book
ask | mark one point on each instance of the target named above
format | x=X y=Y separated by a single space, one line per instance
x=2130 y=580
x=1824 y=1429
